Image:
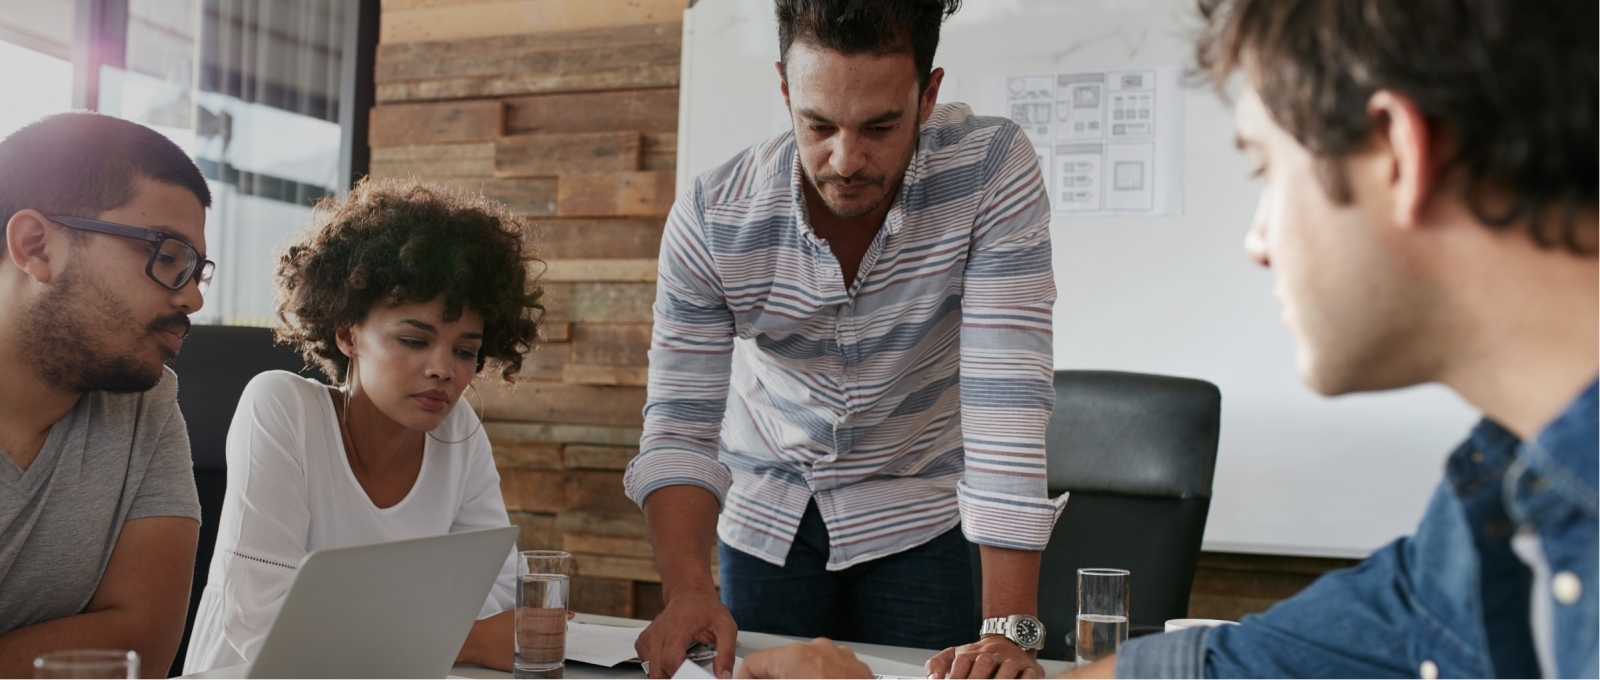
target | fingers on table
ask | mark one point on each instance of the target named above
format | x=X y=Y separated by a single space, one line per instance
x=727 y=633
x=939 y=665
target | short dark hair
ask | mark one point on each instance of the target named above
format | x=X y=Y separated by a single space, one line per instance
x=83 y=164
x=399 y=241
x=1513 y=84
x=878 y=27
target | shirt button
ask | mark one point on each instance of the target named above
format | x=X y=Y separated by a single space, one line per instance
x=1567 y=587
x=1476 y=457
x=1430 y=670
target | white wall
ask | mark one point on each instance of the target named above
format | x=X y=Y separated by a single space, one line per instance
x=1296 y=473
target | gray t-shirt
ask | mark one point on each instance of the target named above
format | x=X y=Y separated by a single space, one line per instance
x=112 y=458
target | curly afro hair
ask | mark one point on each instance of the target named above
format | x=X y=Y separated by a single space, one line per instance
x=396 y=242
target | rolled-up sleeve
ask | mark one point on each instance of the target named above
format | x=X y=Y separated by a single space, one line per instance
x=691 y=358
x=1007 y=358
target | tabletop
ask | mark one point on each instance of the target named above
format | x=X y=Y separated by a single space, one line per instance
x=882 y=659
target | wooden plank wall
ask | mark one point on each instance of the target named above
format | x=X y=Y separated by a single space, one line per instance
x=567 y=112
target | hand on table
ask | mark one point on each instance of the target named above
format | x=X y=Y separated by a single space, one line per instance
x=691 y=617
x=992 y=656
x=819 y=658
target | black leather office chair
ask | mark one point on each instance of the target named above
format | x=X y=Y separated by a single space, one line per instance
x=213 y=368
x=1137 y=453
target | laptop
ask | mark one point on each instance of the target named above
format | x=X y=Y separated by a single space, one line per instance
x=387 y=610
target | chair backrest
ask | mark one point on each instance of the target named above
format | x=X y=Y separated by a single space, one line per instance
x=1137 y=453
x=213 y=368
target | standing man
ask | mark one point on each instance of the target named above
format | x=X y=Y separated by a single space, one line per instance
x=876 y=290
x=103 y=259
x=1428 y=206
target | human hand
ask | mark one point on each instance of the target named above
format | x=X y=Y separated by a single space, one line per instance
x=819 y=658
x=992 y=656
x=695 y=616
x=1106 y=667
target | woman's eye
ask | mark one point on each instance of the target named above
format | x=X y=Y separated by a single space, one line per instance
x=467 y=354
x=413 y=342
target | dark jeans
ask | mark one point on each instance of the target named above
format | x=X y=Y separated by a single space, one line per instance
x=921 y=597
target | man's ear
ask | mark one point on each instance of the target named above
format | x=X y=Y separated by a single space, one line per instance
x=783 y=83
x=29 y=240
x=930 y=96
x=1404 y=133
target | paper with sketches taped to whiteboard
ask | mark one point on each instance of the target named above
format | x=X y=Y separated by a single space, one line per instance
x=1110 y=143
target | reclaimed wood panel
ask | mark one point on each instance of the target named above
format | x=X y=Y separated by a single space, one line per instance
x=559 y=432
x=532 y=197
x=534 y=490
x=554 y=332
x=481 y=120
x=620 y=193
x=563 y=403
x=660 y=152
x=432 y=161
x=629 y=525
x=547 y=360
x=538 y=531
x=615 y=344
x=604 y=596
x=622 y=376
x=501 y=55
x=527 y=455
x=544 y=155
x=625 y=69
x=586 y=457
x=653 y=112
x=648 y=601
x=607 y=545
x=600 y=271
x=607 y=566
x=600 y=302
x=599 y=238
x=421 y=21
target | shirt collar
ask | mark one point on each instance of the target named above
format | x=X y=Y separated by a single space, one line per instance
x=1572 y=441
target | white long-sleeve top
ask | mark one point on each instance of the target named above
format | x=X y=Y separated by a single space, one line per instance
x=291 y=491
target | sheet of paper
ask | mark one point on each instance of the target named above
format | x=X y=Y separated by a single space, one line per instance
x=692 y=670
x=601 y=645
x=1110 y=143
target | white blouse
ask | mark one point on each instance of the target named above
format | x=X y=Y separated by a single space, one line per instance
x=291 y=491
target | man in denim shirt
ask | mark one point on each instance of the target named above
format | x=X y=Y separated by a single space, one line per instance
x=1429 y=208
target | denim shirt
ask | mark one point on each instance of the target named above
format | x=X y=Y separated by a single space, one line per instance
x=1452 y=600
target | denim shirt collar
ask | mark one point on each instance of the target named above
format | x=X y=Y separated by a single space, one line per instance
x=1561 y=459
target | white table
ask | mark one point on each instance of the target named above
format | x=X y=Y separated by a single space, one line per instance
x=883 y=659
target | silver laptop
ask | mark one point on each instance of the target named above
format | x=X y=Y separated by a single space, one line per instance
x=387 y=610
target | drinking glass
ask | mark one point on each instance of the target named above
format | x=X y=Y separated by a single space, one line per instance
x=541 y=618
x=1102 y=612
x=87 y=663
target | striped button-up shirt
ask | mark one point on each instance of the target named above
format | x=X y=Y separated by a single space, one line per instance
x=912 y=401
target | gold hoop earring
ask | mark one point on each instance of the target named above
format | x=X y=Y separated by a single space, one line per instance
x=478 y=413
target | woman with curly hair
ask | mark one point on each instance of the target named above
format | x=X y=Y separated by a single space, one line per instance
x=402 y=294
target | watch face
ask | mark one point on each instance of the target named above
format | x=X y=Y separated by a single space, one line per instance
x=1028 y=632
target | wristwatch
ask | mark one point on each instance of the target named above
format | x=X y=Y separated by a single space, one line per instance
x=1027 y=631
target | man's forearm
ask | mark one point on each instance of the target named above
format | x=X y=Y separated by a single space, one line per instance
x=105 y=629
x=1010 y=581
x=683 y=532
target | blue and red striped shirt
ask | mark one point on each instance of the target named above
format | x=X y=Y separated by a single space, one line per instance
x=915 y=400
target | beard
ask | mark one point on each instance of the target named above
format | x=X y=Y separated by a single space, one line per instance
x=887 y=187
x=62 y=329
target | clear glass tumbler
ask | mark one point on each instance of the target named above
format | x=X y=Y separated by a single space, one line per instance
x=541 y=618
x=1102 y=612
x=87 y=663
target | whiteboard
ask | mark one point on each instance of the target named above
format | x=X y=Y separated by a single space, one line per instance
x=1296 y=473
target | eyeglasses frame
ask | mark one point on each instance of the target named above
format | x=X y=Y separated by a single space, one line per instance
x=201 y=272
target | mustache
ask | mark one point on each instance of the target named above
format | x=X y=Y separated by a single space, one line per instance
x=177 y=321
x=836 y=178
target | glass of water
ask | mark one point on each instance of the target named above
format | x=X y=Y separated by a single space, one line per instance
x=87 y=663
x=1102 y=612
x=541 y=618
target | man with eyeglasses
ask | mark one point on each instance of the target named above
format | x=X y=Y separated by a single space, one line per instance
x=102 y=262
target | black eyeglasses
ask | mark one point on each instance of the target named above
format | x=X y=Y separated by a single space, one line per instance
x=172 y=261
